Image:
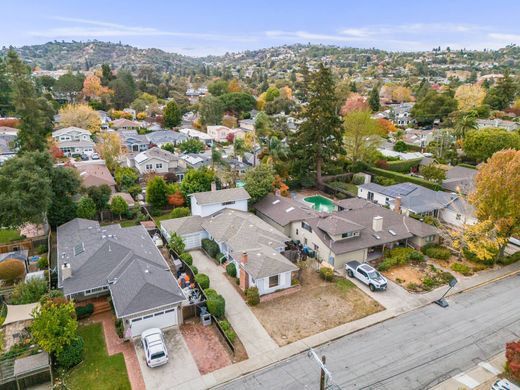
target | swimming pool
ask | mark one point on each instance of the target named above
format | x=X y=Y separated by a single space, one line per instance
x=321 y=203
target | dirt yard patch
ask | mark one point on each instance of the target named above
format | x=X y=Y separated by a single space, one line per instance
x=463 y=267
x=206 y=346
x=418 y=276
x=318 y=306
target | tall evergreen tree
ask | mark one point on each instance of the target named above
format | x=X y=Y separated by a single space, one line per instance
x=36 y=113
x=373 y=99
x=172 y=115
x=6 y=105
x=319 y=136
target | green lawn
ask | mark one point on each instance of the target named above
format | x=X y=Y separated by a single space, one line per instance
x=98 y=371
x=9 y=235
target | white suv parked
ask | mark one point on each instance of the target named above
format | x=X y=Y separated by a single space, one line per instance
x=154 y=347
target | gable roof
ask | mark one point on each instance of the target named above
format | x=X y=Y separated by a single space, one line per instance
x=221 y=196
x=157 y=153
x=459 y=179
x=166 y=136
x=115 y=257
x=283 y=210
x=93 y=175
x=183 y=225
x=65 y=130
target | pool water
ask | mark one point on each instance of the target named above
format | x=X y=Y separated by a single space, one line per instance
x=320 y=203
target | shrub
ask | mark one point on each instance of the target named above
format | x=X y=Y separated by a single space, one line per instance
x=403 y=166
x=29 y=292
x=43 y=262
x=231 y=270
x=202 y=280
x=228 y=330
x=187 y=258
x=180 y=212
x=41 y=249
x=176 y=243
x=210 y=292
x=72 y=354
x=402 y=178
x=211 y=247
x=216 y=305
x=358 y=179
x=513 y=359
x=327 y=274
x=195 y=270
x=11 y=270
x=461 y=269
x=509 y=259
x=436 y=251
x=220 y=257
x=416 y=256
x=120 y=329
x=252 y=296
x=399 y=256
x=84 y=311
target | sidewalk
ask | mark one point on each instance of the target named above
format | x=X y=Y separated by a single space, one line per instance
x=255 y=338
x=480 y=377
x=416 y=301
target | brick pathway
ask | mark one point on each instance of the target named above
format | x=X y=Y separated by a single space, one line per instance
x=116 y=345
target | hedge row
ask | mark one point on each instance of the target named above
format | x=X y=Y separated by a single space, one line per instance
x=402 y=178
x=403 y=165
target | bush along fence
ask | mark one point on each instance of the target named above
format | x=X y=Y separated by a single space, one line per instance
x=402 y=178
x=403 y=166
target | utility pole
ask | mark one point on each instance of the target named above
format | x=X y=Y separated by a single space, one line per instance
x=322 y=374
x=325 y=375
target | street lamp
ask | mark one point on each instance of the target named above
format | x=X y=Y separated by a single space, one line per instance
x=442 y=302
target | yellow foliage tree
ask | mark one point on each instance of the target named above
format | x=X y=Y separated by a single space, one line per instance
x=401 y=94
x=110 y=149
x=469 y=96
x=80 y=115
x=496 y=198
x=286 y=92
x=260 y=102
x=234 y=86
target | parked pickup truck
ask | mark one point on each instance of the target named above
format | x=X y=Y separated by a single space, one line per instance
x=367 y=275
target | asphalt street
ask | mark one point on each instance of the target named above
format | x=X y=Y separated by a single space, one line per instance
x=416 y=350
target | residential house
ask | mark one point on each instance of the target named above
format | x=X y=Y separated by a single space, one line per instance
x=247 y=124
x=73 y=140
x=413 y=199
x=125 y=124
x=93 y=174
x=161 y=138
x=7 y=144
x=219 y=133
x=158 y=160
x=358 y=232
x=498 y=123
x=252 y=245
x=459 y=179
x=121 y=262
x=133 y=141
x=196 y=134
x=401 y=114
x=197 y=160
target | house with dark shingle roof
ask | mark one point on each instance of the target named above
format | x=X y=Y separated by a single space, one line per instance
x=207 y=203
x=124 y=263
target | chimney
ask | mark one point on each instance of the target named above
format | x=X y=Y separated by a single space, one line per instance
x=66 y=271
x=213 y=186
x=397 y=205
x=377 y=224
x=244 y=258
x=244 y=277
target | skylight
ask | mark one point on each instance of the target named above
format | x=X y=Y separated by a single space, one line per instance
x=377 y=237
x=392 y=232
x=289 y=209
x=276 y=201
x=78 y=249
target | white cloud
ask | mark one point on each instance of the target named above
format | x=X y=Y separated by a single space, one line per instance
x=512 y=38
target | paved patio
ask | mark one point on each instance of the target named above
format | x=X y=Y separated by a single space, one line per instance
x=255 y=338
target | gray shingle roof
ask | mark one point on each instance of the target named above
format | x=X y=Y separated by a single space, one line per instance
x=336 y=224
x=221 y=196
x=353 y=204
x=283 y=210
x=184 y=225
x=166 y=136
x=109 y=251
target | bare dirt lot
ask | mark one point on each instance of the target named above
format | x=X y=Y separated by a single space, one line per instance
x=418 y=277
x=318 y=306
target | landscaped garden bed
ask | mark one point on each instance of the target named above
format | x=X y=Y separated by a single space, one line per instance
x=318 y=306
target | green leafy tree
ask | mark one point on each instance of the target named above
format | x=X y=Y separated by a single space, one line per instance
x=107 y=75
x=433 y=173
x=197 y=180
x=464 y=124
x=483 y=143
x=172 y=115
x=191 y=145
x=6 y=103
x=86 y=208
x=258 y=181
x=319 y=137
x=362 y=135
x=433 y=106
x=118 y=206
x=54 y=325
x=373 y=99
x=29 y=292
x=124 y=89
x=262 y=124
x=400 y=146
x=126 y=177
x=169 y=147
x=100 y=195
x=176 y=243
x=69 y=85
x=35 y=113
x=211 y=110
x=156 y=192
x=65 y=185
x=218 y=87
x=26 y=189
x=238 y=102
x=502 y=95
x=271 y=94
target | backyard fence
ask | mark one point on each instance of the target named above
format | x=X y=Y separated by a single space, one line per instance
x=28 y=243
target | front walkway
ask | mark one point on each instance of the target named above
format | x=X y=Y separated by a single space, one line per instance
x=255 y=338
x=115 y=345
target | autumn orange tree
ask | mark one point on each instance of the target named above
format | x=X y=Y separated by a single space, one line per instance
x=92 y=87
x=513 y=359
x=496 y=198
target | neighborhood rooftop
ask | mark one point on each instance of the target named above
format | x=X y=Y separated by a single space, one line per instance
x=222 y=196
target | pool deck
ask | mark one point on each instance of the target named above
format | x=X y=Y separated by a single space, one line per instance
x=302 y=194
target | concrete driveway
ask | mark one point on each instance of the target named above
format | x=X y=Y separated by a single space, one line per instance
x=255 y=338
x=181 y=370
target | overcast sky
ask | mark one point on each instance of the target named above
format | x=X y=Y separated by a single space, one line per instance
x=214 y=27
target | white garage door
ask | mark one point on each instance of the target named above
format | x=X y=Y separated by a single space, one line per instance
x=192 y=241
x=160 y=319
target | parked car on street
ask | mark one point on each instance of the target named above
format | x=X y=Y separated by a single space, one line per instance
x=504 y=384
x=95 y=156
x=154 y=347
x=366 y=274
x=84 y=157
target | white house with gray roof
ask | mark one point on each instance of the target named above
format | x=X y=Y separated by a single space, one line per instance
x=157 y=160
x=73 y=140
x=208 y=203
x=124 y=263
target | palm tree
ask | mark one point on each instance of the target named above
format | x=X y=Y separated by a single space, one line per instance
x=275 y=150
x=466 y=123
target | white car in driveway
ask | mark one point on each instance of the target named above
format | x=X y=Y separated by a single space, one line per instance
x=155 y=351
x=366 y=274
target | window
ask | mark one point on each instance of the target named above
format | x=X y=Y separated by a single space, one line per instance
x=306 y=226
x=226 y=203
x=274 y=280
x=362 y=273
x=169 y=310
x=350 y=234
x=429 y=238
x=158 y=165
x=370 y=195
x=305 y=241
x=459 y=217
x=387 y=201
x=297 y=232
x=148 y=167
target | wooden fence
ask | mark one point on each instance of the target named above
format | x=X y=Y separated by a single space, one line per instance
x=29 y=244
